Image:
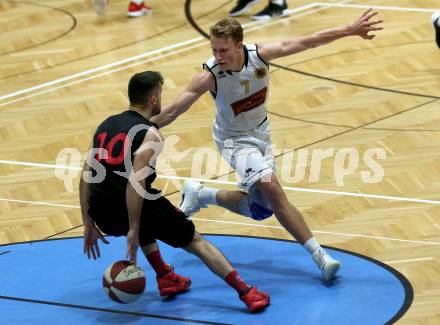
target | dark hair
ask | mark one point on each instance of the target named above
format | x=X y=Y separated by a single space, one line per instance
x=142 y=85
x=228 y=28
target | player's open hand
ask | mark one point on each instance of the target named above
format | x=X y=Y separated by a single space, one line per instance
x=363 y=26
x=91 y=236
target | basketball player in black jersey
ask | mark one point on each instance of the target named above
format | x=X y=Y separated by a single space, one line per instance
x=117 y=196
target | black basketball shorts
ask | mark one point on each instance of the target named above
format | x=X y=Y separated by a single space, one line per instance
x=160 y=220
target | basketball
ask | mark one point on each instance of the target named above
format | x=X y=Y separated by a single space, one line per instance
x=124 y=282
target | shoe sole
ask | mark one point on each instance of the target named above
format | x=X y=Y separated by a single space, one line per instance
x=331 y=271
x=242 y=11
x=285 y=13
x=259 y=305
x=174 y=290
x=137 y=14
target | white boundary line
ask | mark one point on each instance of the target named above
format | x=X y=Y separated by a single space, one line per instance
x=325 y=4
x=258 y=24
x=247 y=224
x=287 y=188
x=42 y=203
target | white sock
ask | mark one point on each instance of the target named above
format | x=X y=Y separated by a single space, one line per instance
x=138 y=2
x=277 y=2
x=208 y=195
x=312 y=245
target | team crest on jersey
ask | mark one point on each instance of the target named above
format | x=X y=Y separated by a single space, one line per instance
x=260 y=73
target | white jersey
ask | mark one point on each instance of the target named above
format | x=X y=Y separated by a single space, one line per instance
x=240 y=97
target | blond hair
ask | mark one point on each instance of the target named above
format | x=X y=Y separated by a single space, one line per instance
x=228 y=28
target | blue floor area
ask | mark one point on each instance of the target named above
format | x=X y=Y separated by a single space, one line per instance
x=52 y=282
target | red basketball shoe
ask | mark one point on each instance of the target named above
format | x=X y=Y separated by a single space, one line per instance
x=172 y=283
x=255 y=300
x=135 y=10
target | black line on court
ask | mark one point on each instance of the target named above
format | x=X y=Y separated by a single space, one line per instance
x=402 y=130
x=191 y=20
x=360 y=126
x=113 y=311
x=39 y=240
x=62 y=232
x=6 y=252
x=350 y=126
x=117 y=47
x=350 y=83
x=72 y=27
x=307 y=121
x=409 y=292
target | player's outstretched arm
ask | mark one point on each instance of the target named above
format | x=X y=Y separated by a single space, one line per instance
x=200 y=84
x=360 y=27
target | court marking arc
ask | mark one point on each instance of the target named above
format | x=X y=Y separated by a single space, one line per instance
x=71 y=28
x=408 y=289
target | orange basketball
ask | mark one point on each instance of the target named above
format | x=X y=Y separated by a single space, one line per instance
x=124 y=282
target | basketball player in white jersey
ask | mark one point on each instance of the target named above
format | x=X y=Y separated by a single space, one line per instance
x=238 y=78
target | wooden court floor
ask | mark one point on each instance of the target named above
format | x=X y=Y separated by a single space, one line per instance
x=63 y=70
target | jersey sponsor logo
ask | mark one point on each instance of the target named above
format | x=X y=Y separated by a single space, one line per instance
x=249 y=103
x=221 y=74
x=260 y=73
x=248 y=172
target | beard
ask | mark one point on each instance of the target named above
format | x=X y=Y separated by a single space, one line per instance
x=156 y=109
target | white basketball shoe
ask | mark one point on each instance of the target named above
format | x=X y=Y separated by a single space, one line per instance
x=328 y=266
x=190 y=198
